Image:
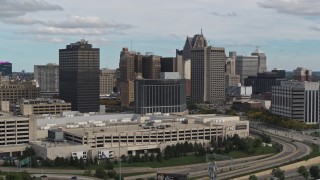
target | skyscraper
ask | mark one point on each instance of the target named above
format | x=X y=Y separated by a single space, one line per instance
x=251 y=65
x=207 y=71
x=48 y=78
x=6 y=68
x=127 y=76
x=108 y=80
x=302 y=74
x=79 y=76
x=151 y=66
x=262 y=60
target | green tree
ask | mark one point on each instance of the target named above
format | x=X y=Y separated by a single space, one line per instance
x=159 y=156
x=109 y=165
x=95 y=161
x=100 y=173
x=253 y=177
x=303 y=172
x=152 y=158
x=278 y=173
x=82 y=163
x=87 y=173
x=314 y=172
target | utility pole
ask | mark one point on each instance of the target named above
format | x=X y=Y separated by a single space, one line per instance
x=119 y=159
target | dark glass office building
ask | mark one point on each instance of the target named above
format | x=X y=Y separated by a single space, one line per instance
x=6 y=68
x=79 y=66
x=166 y=96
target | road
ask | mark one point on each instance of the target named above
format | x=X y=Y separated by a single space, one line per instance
x=290 y=152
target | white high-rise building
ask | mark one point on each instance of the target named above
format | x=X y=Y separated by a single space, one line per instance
x=297 y=101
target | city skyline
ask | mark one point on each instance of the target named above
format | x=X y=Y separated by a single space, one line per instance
x=286 y=30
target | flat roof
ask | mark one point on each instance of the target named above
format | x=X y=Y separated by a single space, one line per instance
x=135 y=128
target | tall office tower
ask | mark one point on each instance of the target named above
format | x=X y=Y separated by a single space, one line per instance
x=151 y=66
x=179 y=62
x=127 y=76
x=231 y=79
x=187 y=75
x=48 y=78
x=108 y=78
x=207 y=73
x=126 y=65
x=302 y=74
x=251 y=65
x=262 y=60
x=196 y=41
x=79 y=66
x=138 y=63
x=231 y=63
x=6 y=68
x=246 y=66
x=168 y=64
x=297 y=101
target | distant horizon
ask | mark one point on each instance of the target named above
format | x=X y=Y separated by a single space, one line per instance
x=33 y=31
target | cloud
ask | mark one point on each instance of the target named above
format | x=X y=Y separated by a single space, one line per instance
x=15 y=8
x=296 y=7
x=229 y=14
x=87 y=22
x=41 y=38
x=21 y=20
x=64 y=31
x=316 y=27
x=100 y=41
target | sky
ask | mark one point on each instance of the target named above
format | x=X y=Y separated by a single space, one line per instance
x=33 y=31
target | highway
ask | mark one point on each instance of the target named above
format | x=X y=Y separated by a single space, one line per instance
x=291 y=151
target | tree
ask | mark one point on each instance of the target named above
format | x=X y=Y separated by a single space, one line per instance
x=253 y=177
x=314 y=172
x=82 y=163
x=95 y=161
x=152 y=157
x=303 y=172
x=87 y=173
x=159 y=156
x=109 y=165
x=278 y=173
x=100 y=173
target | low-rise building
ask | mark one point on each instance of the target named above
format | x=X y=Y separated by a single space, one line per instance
x=15 y=134
x=144 y=134
x=43 y=106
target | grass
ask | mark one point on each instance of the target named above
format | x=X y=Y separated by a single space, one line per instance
x=315 y=151
x=192 y=159
x=258 y=151
x=136 y=174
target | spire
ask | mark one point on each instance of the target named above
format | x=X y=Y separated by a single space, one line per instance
x=201 y=31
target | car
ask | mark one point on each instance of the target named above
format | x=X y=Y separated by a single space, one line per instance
x=74 y=177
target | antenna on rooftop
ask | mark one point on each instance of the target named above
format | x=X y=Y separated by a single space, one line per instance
x=258 y=47
x=201 y=31
x=131 y=45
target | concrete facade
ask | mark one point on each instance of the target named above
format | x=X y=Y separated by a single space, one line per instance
x=108 y=80
x=141 y=137
x=43 y=106
x=48 y=77
x=297 y=101
x=207 y=72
